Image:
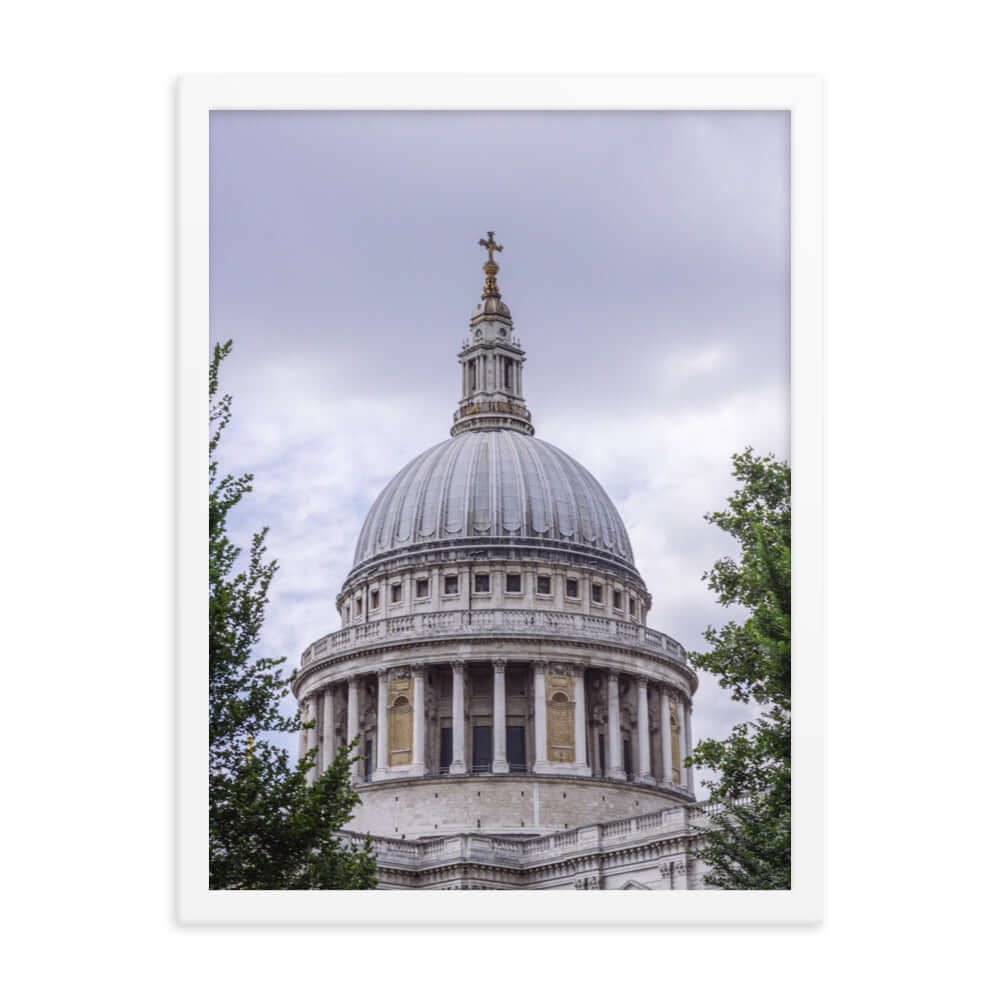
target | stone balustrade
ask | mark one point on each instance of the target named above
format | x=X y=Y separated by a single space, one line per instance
x=675 y=821
x=494 y=622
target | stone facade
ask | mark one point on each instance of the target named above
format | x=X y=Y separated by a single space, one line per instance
x=651 y=850
x=510 y=704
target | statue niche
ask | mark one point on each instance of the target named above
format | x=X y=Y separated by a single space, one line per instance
x=559 y=706
x=400 y=722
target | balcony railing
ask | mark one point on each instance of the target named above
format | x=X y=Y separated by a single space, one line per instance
x=494 y=621
x=675 y=821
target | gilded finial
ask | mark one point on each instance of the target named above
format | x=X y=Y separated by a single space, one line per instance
x=491 y=267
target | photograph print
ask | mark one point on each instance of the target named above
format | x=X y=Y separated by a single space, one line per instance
x=500 y=500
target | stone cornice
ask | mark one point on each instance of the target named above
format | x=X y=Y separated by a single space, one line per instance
x=552 y=553
x=490 y=642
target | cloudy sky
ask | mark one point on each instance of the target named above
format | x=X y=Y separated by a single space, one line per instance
x=646 y=265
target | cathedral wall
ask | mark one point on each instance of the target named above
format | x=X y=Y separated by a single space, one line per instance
x=497 y=804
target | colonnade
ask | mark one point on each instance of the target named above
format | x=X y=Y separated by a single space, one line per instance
x=542 y=764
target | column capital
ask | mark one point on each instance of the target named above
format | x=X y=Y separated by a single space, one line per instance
x=641 y=680
x=458 y=667
x=499 y=664
x=353 y=681
x=539 y=665
x=417 y=669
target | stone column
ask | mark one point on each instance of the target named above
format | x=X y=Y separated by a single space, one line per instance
x=541 y=733
x=615 y=750
x=329 y=750
x=580 y=721
x=682 y=740
x=666 y=743
x=645 y=768
x=457 y=717
x=354 y=726
x=687 y=748
x=312 y=734
x=419 y=736
x=500 y=765
x=382 y=728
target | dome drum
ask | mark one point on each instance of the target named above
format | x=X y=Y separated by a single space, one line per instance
x=502 y=715
x=463 y=553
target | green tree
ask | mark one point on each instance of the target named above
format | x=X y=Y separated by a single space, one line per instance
x=269 y=828
x=749 y=845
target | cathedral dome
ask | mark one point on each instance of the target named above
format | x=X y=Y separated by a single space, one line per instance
x=494 y=487
x=494 y=663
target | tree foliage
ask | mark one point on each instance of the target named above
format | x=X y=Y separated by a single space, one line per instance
x=269 y=828
x=749 y=846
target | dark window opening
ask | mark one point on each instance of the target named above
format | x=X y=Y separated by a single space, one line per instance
x=374 y=599
x=544 y=585
x=482 y=583
x=451 y=584
x=482 y=749
x=602 y=767
x=513 y=583
x=421 y=588
x=444 y=760
x=368 y=760
x=358 y=607
x=517 y=757
x=627 y=754
x=397 y=593
x=596 y=593
x=616 y=599
x=631 y=606
x=572 y=588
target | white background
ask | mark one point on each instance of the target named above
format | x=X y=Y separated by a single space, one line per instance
x=912 y=273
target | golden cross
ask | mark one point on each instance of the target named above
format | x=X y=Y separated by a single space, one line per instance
x=490 y=245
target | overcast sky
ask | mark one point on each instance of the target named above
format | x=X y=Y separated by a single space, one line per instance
x=646 y=265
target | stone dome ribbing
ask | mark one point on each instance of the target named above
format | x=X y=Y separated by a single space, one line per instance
x=494 y=487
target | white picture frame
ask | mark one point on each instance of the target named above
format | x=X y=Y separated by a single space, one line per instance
x=801 y=96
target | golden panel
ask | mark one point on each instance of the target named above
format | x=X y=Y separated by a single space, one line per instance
x=675 y=741
x=400 y=730
x=559 y=718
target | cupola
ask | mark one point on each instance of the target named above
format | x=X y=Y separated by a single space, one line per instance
x=492 y=362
